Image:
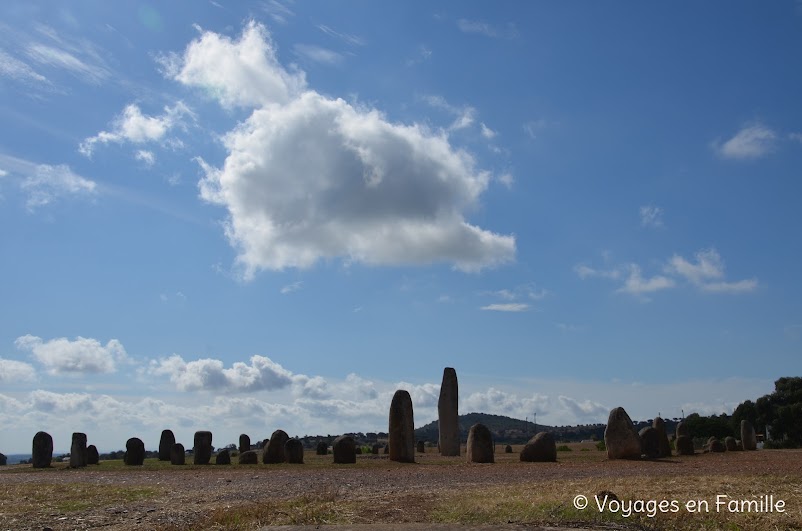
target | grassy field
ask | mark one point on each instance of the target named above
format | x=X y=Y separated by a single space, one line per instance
x=435 y=489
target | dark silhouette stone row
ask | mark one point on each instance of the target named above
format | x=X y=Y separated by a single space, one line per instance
x=177 y=454
x=166 y=443
x=402 y=428
x=344 y=450
x=274 y=451
x=78 y=450
x=202 y=451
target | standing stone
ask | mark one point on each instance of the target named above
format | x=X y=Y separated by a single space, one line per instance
x=714 y=445
x=540 y=448
x=387 y=449
x=664 y=447
x=78 y=450
x=375 y=448
x=274 y=453
x=402 y=428
x=223 y=457
x=3 y=459
x=166 y=443
x=448 y=414
x=202 y=451
x=244 y=443
x=421 y=447
x=684 y=445
x=92 y=455
x=620 y=437
x=649 y=442
x=177 y=454
x=508 y=449
x=682 y=429
x=322 y=448
x=134 y=452
x=344 y=450
x=480 y=445
x=731 y=444
x=748 y=437
x=42 y=451
x=249 y=458
x=294 y=452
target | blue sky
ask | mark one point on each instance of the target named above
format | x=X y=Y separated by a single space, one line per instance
x=259 y=215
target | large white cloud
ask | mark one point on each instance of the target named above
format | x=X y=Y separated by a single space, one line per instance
x=308 y=177
x=262 y=374
x=80 y=356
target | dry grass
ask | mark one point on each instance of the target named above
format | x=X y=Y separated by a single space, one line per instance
x=30 y=498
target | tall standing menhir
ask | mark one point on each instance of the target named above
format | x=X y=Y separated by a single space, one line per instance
x=448 y=413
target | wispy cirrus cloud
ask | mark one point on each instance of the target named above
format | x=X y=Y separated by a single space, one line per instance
x=751 y=142
x=352 y=40
x=651 y=216
x=479 y=27
x=44 y=184
x=318 y=54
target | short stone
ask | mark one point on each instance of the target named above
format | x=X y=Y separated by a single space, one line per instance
x=249 y=458
x=731 y=444
x=42 y=451
x=322 y=448
x=134 y=452
x=177 y=454
x=166 y=442
x=620 y=437
x=294 y=452
x=508 y=449
x=202 y=451
x=663 y=446
x=748 y=437
x=244 y=443
x=684 y=445
x=344 y=450
x=274 y=453
x=223 y=457
x=480 y=445
x=421 y=447
x=649 y=442
x=92 y=455
x=540 y=448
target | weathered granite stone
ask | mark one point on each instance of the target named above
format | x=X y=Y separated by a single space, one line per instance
x=508 y=449
x=375 y=449
x=620 y=437
x=715 y=445
x=480 y=445
x=244 y=443
x=249 y=458
x=3 y=459
x=421 y=447
x=402 y=428
x=294 y=451
x=663 y=446
x=540 y=448
x=322 y=448
x=78 y=450
x=731 y=444
x=274 y=453
x=166 y=442
x=649 y=442
x=682 y=429
x=92 y=455
x=344 y=449
x=748 y=437
x=684 y=445
x=134 y=452
x=448 y=414
x=202 y=450
x=223 y=457
x=42 y=451
x=177 y=454
x=387 y=449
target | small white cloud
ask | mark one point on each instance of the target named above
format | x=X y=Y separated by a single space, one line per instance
x=80 y=356
x=318 y=54
x=289 y=288
x=651 y=216
x=796 y=137
x=506 y=307
x=464 y=116
x=12 y=371
x=507 y=180
x=707 y=271
x=147 y=157
x=135 y=127
x=532 y=128
x=584 y=271
x=487 y=132
x=488 y=30
x=635 y=284
x=751 y=142
x=44 y=184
